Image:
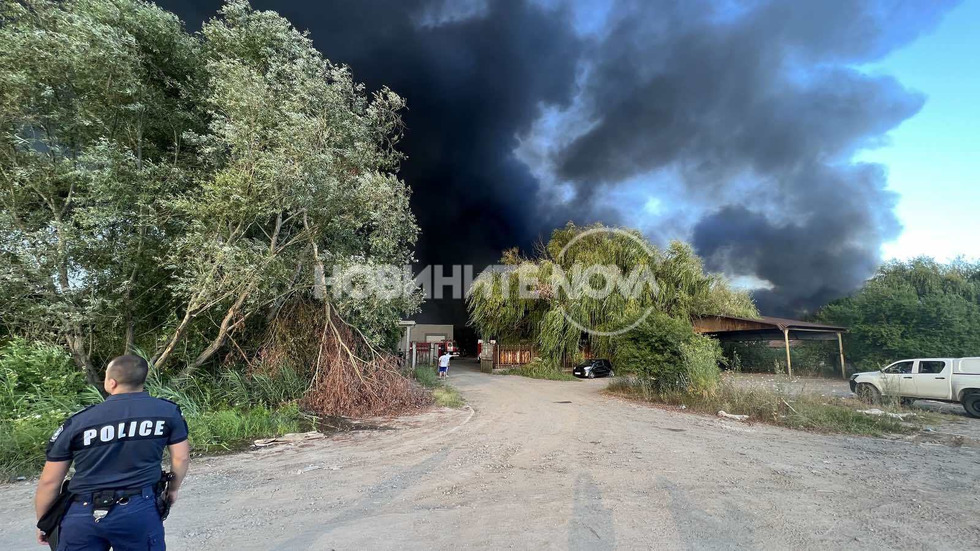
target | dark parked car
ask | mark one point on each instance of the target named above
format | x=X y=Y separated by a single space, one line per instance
x=594 y=368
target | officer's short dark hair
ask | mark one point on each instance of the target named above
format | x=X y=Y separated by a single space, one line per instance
x=128 y=370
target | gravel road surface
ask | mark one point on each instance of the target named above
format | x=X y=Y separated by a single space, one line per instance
x=558 y=465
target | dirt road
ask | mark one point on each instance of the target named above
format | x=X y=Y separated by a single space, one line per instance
x=556 y=465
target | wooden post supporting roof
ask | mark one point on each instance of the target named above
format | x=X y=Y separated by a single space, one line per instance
x=840 y=344
x=789 y=360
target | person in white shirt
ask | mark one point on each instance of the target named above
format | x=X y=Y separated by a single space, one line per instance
x=444 y=364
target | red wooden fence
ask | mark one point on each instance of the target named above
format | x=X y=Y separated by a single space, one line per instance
x=513 y=355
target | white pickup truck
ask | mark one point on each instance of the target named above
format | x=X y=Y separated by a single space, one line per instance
x=942 y=379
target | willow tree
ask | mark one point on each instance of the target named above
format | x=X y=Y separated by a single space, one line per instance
x=171 y=192
x=95 y=99
x=553 y=299
x=302 y=179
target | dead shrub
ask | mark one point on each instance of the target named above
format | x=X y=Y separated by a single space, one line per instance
x=348 y=376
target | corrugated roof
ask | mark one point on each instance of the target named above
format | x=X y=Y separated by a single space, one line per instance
x=786 y=323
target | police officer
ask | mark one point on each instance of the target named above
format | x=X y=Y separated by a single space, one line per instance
x=117 y=447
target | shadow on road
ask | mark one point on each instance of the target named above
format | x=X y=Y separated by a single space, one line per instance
x=591 y=526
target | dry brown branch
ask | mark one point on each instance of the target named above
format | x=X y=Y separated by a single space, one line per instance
x=349 y=377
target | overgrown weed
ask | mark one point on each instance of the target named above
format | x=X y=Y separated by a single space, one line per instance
x=800 y=411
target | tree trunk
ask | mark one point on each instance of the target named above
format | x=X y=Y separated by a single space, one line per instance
x=226 y=324
x=219 y=340
x=127 y=302
x=161 y=358
x=130 y=332
x=74 y=338
x=319 y=273
x=76 y=344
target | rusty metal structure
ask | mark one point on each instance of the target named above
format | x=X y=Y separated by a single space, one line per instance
x=731 y=328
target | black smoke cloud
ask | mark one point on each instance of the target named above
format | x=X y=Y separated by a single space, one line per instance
x=765 y=111
x=755 y=107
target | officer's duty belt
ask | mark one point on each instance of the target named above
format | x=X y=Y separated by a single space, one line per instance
x=117 y=494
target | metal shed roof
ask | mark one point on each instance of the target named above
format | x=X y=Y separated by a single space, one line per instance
x=730 y=324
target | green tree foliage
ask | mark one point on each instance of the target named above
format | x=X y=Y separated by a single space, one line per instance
x=94 y=99
x=669 y=355
x=654 y=349
x=166 y=191
x=910 y=309
x=303 y=177
x=500 y=310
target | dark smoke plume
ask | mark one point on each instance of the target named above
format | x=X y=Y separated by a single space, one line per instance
x=736 y=121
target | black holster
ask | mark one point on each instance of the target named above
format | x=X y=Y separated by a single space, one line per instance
x=160 y=490
x=50 y=521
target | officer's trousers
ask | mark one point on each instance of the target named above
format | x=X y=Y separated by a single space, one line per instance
x=127 y=527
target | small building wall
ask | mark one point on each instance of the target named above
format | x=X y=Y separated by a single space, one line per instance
x=422 y=331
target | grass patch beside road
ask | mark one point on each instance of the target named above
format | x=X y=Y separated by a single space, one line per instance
x=540 y=374
x=540 y=369
x=448 y=397
x=227 y=430
x=23 y=441
x=443 y=394
x=427 y=376
x=804 y=412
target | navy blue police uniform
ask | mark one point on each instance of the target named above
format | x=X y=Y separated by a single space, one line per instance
x=116 y=446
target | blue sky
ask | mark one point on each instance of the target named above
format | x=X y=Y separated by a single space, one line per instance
x=934 y=157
